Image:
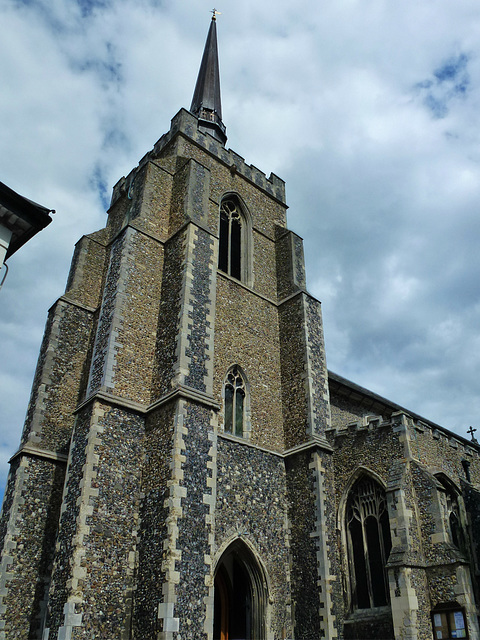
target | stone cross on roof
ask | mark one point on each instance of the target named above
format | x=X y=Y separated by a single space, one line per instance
x=471 y=431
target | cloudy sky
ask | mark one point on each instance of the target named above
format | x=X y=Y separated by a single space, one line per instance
x=369 y=109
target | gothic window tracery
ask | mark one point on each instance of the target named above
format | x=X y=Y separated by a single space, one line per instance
x=230 y=247
x=234 y=407
x=369 y=544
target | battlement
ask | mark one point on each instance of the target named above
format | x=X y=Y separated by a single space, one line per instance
x=401 y=421
x=186 y=123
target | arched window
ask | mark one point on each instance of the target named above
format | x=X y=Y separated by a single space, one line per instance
x=231 y=234
x=451 y=510
x=235 y=402
x=369 y=544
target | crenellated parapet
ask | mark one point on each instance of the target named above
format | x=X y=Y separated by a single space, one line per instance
x=185 y=124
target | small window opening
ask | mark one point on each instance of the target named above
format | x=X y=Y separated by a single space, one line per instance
x=449 y=622
x=230 y=248
x=369 y=544
x=466 y=468
x=234 y=403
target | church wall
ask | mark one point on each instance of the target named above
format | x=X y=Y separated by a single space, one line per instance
x=156 y=474
x=200 y=310
x=58 y=377
x=426 y=568
x=471 y=496
x=126 y=330
x=293 y=372
x=120 y=207
x=246 y=333
x=345 y=411
x=84 y=284
x=409 y=596
x=332 y=550
x=27 y=531
x=92 y=584
x=290 y=263
x=57 y=388
x=175 y=573
x=168 y=318
x=303 y=546
x=437 y=546
x=251 y=504
x=194 y=542
x=437 y=451
x=190 y=191
x=266 y=213
x=363 y=447
x=135 y=337
x=450 y=570
x=150 y=194
x=264 y=266
x=304 y=371
x=317 y=389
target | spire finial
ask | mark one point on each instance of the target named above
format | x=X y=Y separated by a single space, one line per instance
x=215 y=14
x=206 y=103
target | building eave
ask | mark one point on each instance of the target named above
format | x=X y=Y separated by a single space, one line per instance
x=23 y=217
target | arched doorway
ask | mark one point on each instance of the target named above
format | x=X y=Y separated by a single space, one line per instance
x=240 y=596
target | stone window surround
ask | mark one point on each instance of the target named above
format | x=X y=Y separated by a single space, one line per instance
x=247 y=426
x=357 y=476
x=246 y=241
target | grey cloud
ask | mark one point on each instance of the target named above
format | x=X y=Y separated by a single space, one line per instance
x=332 y=99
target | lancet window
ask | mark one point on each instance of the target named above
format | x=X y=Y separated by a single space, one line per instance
x=231 y=232
x=452 y=514
x=369 y=544
x=235 y=402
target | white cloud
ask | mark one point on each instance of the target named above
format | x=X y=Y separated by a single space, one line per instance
x=370 y=111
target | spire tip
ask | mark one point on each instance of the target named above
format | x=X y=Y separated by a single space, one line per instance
x=206 y=103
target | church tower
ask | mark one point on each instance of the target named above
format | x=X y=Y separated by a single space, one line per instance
x=172 y=472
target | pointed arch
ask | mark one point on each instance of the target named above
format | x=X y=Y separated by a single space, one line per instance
x=236 y=402
x=359 y=472
x=241 y=594
x=235 y=238
x=367 y=539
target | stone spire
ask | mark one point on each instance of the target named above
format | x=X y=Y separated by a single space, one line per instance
x=206 y=103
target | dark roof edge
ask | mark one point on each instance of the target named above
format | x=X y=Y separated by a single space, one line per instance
x=334 y=377
x=36 y=216
x=16 y=201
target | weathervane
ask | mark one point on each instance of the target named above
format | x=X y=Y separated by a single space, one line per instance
x=215 y=14
x=471 y=431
